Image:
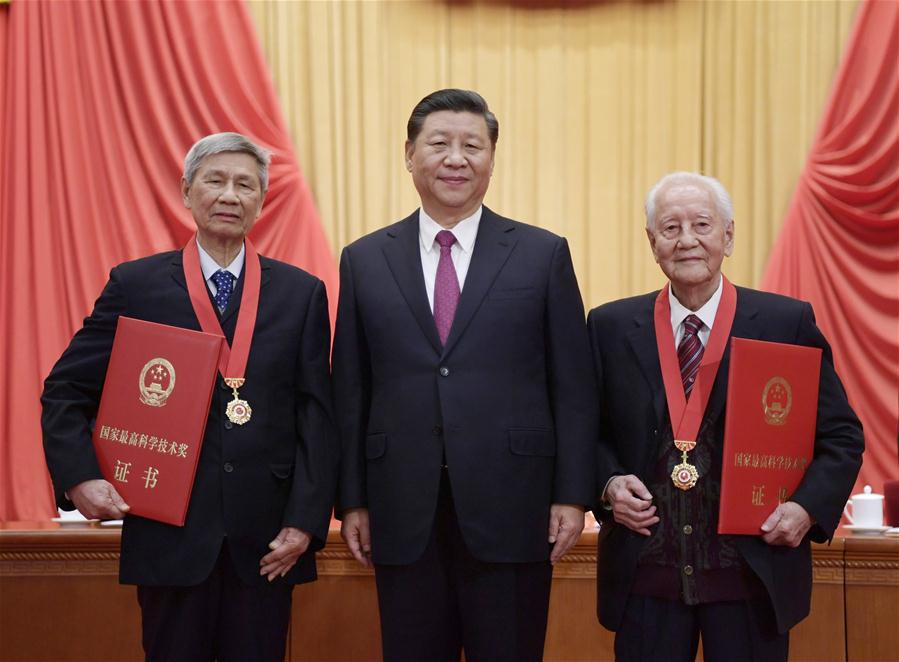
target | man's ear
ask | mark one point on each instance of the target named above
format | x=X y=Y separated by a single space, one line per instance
x=729 y=238
x=409 y=151
x=652 y=244
x=185 y=191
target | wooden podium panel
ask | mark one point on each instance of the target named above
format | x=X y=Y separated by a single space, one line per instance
x=60 y=600
x=573 y=633
x=872 y=599
x=336 y=617
x=822 y=636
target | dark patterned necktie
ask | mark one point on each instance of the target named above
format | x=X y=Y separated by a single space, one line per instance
x=446 y=286
x=224 y=287
x=689 y=352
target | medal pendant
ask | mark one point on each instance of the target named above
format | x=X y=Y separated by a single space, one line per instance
x=238 y=411
x=684 y=475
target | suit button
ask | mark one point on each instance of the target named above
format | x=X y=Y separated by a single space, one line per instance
x=228 y=425
x=228 y=467
x=688 y=529
x=437 y=430
x=444 y=371
x=688 y=570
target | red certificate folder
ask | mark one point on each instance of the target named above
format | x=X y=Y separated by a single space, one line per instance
x=769 y=433
x=152 y=415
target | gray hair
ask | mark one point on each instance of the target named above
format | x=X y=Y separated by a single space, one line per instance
x=226 y=142
x=722 y=198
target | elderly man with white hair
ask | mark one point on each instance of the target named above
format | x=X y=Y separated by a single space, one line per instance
x=665 y=577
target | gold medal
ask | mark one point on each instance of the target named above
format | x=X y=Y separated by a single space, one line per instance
x=238 y=411
x=684 y=475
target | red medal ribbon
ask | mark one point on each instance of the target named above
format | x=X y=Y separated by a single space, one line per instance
x=686 y=416
x=233 y=359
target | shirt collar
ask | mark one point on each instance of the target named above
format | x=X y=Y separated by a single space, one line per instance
x=465 y=231
x=210 y=266
x=706 y=313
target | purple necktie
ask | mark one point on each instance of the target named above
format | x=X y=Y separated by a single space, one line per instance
x=446 y=286
x=689 y=352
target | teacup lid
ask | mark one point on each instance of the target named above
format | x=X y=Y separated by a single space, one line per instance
x=867 y=495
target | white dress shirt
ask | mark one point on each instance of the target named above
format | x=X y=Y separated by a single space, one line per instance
x=465 y=231
x=706 y=313
x=210 y=266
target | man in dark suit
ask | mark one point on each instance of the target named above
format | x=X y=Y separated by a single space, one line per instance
x=220 y=586
x=665 y=576
x=466 y=404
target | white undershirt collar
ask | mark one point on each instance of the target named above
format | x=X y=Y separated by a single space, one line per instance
x=706 y=313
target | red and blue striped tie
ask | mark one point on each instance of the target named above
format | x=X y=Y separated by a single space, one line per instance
x=689 y=352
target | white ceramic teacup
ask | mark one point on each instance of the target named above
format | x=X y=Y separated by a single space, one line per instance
x=865 y=510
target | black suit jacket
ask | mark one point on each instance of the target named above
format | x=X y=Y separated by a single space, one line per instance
x=277 y=470
x=510 y=399
x=634 y=413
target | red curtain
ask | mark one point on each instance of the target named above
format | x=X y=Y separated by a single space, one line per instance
x=839 y=247
x=103 y=100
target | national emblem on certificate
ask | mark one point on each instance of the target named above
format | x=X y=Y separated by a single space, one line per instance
x=152 y=415
x=769 y=433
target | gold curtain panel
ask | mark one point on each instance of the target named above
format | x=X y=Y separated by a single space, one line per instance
x=596 y=100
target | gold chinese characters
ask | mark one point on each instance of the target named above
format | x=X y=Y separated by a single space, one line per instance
x=145 y=441
x=150 y=476
x=766 y=461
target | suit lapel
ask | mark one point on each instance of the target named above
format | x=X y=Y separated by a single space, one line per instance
x=178 y=270
x=492 y=248
x=744 y=326
x=404 y=259
x=177 y=273
x=643 y=343
x=642 y=339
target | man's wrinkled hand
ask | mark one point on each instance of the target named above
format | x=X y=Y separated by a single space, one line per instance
x=631 y=503
x=98 y=499
x=356 y=534
x=566 y=522
x=787 y=525
x=287 y=548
